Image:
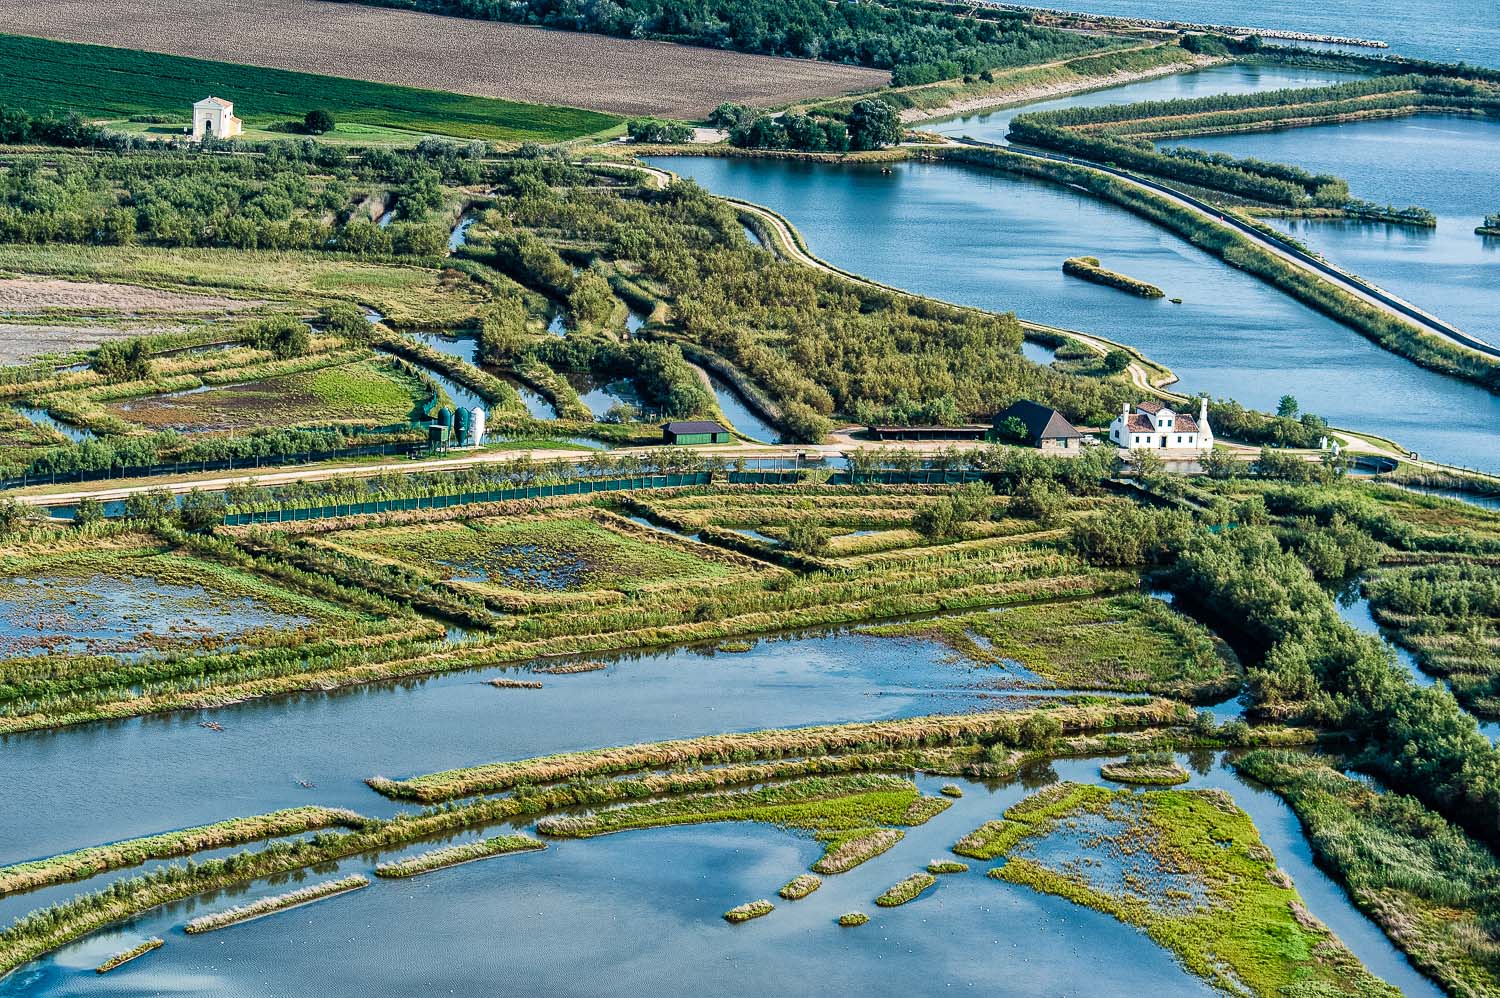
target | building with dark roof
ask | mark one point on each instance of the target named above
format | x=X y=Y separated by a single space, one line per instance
x=695 y=431
x=1045 y=427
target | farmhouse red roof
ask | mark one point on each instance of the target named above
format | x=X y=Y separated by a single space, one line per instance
x=1143 y=424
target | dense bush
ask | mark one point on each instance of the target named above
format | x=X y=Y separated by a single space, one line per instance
x=658 y=132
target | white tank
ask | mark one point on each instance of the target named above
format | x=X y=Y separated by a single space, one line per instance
x=476 y=425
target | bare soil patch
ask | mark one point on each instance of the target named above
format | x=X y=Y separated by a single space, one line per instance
x=481 y=58
x=20 y=342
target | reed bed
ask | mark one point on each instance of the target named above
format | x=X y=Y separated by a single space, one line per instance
x=843 y=853
x=906 y=890
x=850 y=919
x=271 y=905
x=135 y=952
x=573 y=669
x=988 y=841
x=84 y=863
x=800 y=886
x=749 y=910
x=941 y=866
x=438 y=859
x=514 y=684
x=951 y=790
x=1156 y=769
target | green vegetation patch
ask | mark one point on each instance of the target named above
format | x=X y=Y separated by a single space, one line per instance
x=800 y=886
x=852 y=918
x=271 y=905
x=537 y=555
x=1430 y=886
x=748 y=910
x=843 y=852
x=941 y=866
x=1129 y=642
x=96 y=81
x=1188 y=867
x=367 y=392
x=1146 y=768
x=469 y=852
x=906 y=890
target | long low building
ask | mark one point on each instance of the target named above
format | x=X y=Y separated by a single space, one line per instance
x=968 y=431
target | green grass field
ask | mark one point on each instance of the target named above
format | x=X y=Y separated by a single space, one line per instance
x=99 y=82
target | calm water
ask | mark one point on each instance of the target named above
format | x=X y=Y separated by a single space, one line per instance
x=1235 y=79
x=985 y=239
x=649 y=904
x=1443 y=162
x=740 y=415
x=1442 y=30
x=337 y=740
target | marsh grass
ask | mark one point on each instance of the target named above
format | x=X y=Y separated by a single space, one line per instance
x=135 y=952
x=843 y=852
x=940 y=866
x=1146 y=769
x=800 y=887
x=906 y=890
x=748 y=910
x=271 y=905
x=852 y=918
x=438 y=859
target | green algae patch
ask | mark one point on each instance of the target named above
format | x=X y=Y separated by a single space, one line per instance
x=1189 y=868
x=469 y=852
x=852 y=918
x=800 y=887
x=745 y=912
x=906 y=890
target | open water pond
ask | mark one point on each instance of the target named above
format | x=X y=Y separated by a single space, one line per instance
x=650 y=902
x=1442 y=162
x=991 y=126
x=741 y=415
x=94 y=783
x=982 y=238
x=42 y=417
x=602 y=396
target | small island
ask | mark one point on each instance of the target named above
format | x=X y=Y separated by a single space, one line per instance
x=1087 y=267
x=1490 y=227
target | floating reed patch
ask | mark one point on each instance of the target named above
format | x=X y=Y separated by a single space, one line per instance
x=745 y=912
x=800 y=887
x=846 y=852
x=572 y=668
x=734 y=646
x=469 y=852
x=947 y=866
x=279 y=902
x=853 y=918
x=952 y=790
x=515 y=684
x=120 y=959
x=906 y=890
x=1151 y=773
x=925 y=808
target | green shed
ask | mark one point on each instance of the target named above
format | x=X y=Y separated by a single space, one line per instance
x=695 y=431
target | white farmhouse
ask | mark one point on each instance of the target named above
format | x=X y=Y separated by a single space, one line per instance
x=1154 y=425
x=215 y=116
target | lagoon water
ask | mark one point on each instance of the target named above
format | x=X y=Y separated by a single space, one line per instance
x=1442 y=162
x=647 y=905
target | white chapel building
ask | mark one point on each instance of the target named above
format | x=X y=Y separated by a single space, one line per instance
x=1154 y=425
x=215 y=116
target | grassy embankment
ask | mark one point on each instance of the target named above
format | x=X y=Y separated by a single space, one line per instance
x=439 y=859
x=271 y=905
x=1429 y=886
x=1088 y=268
x=1194 y=875
x=100 y=82
x=135 y=952
x=907 y=890
x=1390 y=332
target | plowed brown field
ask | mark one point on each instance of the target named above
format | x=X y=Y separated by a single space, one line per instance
x=481 y=58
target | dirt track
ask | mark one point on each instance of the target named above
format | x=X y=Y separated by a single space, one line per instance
x=481 y=58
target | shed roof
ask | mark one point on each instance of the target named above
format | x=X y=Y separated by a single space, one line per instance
x=695 y=426
x=1042 y=422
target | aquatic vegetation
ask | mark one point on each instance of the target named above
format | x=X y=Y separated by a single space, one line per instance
x=1125 y=642
x=844 y=851
x=988 y=841
x=800 y=886
x=1188 y=867
x=271 y=905
x=438 y=859
x=749 y=910
x=1088 y=268
x=1146 y=768
x=852 y=918
x=1426 y=883
x=941 y=866
x=514 y=684
x=924 y=808
x=120 y=959
x=906 y=890
x=951 y=790
x=572 y=668
x=84 y=863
